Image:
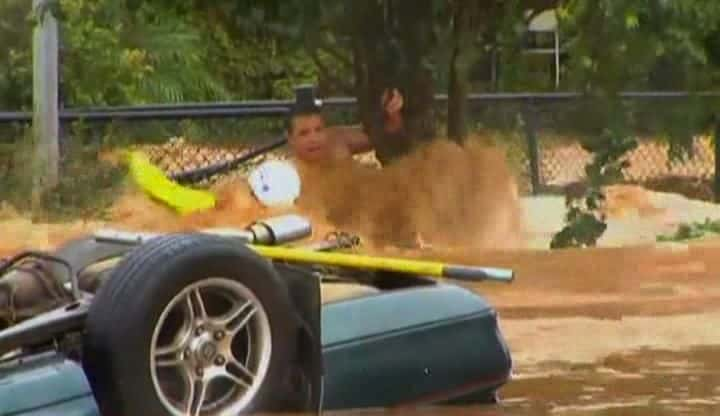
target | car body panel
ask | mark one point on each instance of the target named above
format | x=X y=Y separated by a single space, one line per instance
x=48 y=384
x=377 y=314
x=418 y=344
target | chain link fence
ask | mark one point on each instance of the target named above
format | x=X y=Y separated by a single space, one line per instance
x=561 y=162
x=543 y=142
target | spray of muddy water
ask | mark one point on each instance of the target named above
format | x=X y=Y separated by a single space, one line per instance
x=443 y=194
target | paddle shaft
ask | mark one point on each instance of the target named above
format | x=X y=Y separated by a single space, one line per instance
x=198 y=175
x=313 y=254
x=416 y=267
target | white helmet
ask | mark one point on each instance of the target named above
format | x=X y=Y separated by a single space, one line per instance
x=275 y=183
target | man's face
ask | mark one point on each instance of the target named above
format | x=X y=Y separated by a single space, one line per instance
x=307 y=137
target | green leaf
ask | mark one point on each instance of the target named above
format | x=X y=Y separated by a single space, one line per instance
x=631 y=21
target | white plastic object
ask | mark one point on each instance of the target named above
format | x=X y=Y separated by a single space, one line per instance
x=275 y=183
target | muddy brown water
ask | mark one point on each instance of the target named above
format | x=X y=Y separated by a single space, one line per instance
x=631 y=383
x=636 y=382
x=614 y=331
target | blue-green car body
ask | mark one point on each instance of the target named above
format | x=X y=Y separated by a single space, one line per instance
x=428 y=344
x=410 y=340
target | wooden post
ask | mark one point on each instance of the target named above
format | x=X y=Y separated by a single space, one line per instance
x=557 y=57
x=45 y=100
x=716 y=147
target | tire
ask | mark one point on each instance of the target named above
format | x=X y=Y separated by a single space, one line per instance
x=122 y=321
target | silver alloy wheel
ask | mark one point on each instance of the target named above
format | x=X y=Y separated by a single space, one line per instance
x=204 y=362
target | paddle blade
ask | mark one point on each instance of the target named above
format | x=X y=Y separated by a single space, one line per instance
x=157 y=185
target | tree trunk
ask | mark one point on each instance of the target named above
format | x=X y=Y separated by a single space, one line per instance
x=467 y=23
x=415 y=20
x=457 y=93
x=361 y=81
x=393 y=50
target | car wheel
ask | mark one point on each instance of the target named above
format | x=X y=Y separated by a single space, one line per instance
x=190 y=324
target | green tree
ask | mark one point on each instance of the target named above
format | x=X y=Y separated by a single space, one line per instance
x=15 y=61
x=618 y=45
x=112 y=56
x=364 y=47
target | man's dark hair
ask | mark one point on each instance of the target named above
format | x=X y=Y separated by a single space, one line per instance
x=303 y=107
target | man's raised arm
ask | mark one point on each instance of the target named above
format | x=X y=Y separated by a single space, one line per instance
x=353 y=137
x=356 y=140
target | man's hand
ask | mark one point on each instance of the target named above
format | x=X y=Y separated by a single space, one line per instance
x=392 y=102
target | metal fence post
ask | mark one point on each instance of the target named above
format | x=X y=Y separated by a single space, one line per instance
x=306 y=96
x=533 y=145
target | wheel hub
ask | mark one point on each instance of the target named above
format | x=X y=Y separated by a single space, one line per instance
x=207 y=352
x=204 y=350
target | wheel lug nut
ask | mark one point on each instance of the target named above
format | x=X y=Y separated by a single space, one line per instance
x=186 y=352
x=219 y=335
x=220 y=360
x=199 y=330
x=199 y=371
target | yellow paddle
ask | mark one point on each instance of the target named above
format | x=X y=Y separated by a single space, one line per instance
x=157 y=185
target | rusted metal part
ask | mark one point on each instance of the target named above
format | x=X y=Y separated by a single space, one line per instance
x=335 y=240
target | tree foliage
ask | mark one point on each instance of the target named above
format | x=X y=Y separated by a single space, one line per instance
x=639 y=44
x=420 y=47
x=15 y=42
x=636 y=45
x=115 y=55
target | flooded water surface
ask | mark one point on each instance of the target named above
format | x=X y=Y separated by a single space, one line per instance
x=640 y=382
x=637 y=383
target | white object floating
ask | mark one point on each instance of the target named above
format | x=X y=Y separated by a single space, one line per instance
x=275 y=183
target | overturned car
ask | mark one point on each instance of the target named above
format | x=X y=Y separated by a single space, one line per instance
x=229 y=322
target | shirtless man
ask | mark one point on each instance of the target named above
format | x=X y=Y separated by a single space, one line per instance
x=312 y=141
x=278 y=183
